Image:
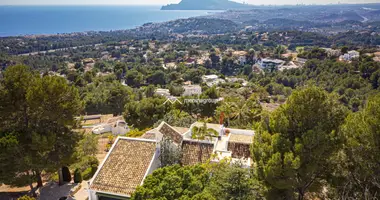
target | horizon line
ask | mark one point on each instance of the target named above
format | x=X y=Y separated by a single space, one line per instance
x=302 y=4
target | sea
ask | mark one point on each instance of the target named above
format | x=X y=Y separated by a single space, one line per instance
x=37 y=20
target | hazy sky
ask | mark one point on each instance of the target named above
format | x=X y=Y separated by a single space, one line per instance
x=163 y=2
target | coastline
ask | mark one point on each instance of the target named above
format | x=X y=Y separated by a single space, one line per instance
x=43 y=21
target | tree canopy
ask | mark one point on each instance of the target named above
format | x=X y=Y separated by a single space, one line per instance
x=294 y=144
x=36 y=115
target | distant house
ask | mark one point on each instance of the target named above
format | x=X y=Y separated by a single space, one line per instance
x=207 y=78
x=88 y=61
x=212 y=80
x=349 y=56
x=190 y=90
x=256 y=68
x=290 y=65
x=333 y=52
x=267 y=63
x=376 y=56
x=301 y=61
x=163 y=92
x=241 y=57
x=190 y=61
x=114 y=125
x=125 y=168
x=171 y=65
x=237 y=80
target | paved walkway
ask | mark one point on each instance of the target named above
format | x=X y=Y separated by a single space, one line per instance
x=82 y=194
x=52 y=191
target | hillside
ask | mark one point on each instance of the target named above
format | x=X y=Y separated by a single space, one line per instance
x=206 y=5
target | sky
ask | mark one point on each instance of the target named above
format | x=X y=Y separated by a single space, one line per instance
x=164 y=2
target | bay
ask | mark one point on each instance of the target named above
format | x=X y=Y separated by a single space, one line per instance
x=27 y=20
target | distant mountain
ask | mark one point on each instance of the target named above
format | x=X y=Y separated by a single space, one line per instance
x=206 y=5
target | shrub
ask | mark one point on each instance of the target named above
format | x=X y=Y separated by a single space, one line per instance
x=26 y=197
x=66 y=174
x=77 y=176
x=89 y=172
x=54 y=177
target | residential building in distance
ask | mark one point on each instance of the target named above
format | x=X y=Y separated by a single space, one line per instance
x=100 y=124
x=241 y=57
x=349 y=56
x=237 y=80
x=268 y=63
x=212 y=80
x=333 y=52
x=190 y=90
x=163 y=92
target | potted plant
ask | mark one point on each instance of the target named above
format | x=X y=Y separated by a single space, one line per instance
x=227 y=132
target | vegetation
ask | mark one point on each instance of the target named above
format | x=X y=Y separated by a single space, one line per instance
x=77 y=176
x=195 y=182
x=42 y=140
x=26 y=198
x=293 y=147
x=316 y=122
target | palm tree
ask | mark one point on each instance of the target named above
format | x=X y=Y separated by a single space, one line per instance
x=202 y=133
x=245 y=112
x=227 y=108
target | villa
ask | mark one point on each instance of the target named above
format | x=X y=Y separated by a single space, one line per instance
x=349 y=56
x=212 y=80
x=190 y=90
x=130 y=160
x=267 y=63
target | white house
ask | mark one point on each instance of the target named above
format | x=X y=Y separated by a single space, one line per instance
x=265 y=63
x=191 y=90
x=212 y=80
x=349 y=56
x=208 y=78
x=162 y=92
x=116 y=125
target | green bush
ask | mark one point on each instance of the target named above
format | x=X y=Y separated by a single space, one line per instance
x=89 y=172
x=54 y=177
x=77 y=176
x=94 y=168
x=66 y=174
x=26 y=197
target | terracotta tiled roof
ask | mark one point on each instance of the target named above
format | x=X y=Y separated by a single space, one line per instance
x=190 y=150
x=170 y=132
x=181 y=130
x=150 y=136
x=239 y=150
x=125 y=167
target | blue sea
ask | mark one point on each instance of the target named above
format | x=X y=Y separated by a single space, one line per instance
x=26 y=20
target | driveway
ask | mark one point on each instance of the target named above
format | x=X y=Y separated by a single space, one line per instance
x=52 y=191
